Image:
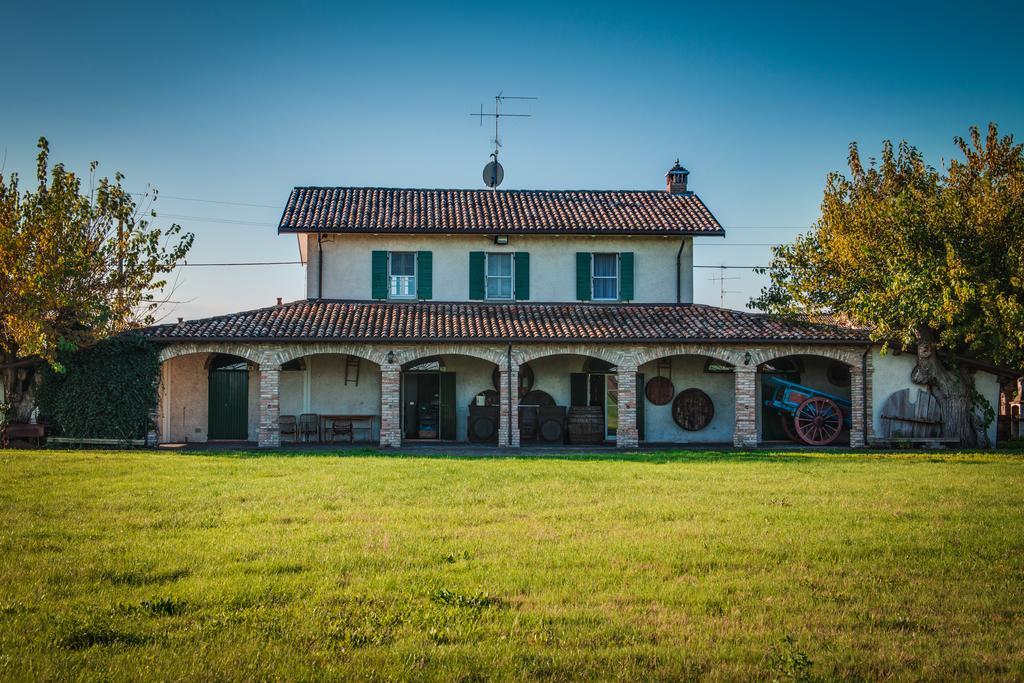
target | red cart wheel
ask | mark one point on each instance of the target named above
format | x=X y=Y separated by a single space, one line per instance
x=818 y=421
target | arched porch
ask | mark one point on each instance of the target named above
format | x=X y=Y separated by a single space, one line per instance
x=687 y=398
x=208 y=395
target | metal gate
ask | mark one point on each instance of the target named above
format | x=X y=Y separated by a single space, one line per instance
x=229 y=404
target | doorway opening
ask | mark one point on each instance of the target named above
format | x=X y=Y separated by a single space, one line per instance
x=428 y=405
x=228 y=418
x=598 y=390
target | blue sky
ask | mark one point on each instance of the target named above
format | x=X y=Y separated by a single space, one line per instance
x=238 y=103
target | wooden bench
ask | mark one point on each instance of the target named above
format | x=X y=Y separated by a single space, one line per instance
x=921 y=441
x=34 y=432
x=116 y=443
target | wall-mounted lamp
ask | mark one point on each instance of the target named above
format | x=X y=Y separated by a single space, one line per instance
x=391 y=357
x=501 y=239
x=747 y=358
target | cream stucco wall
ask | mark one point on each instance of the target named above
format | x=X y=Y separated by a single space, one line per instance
x=892 y=374
x=347 y=264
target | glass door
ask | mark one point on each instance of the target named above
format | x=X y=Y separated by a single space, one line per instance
x=611 y=405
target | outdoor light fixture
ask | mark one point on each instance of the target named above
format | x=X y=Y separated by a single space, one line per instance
x=746 y=358
x=501 y=239
x=391 y=357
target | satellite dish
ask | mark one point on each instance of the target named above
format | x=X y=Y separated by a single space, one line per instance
x=493 y=174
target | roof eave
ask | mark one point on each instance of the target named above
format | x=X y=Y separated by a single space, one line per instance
x=295 y=230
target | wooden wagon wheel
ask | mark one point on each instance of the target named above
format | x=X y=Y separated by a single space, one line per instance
x=693 y=410
x=537 y=398
x=818 y=421
x=659 y=390
x=525 y=379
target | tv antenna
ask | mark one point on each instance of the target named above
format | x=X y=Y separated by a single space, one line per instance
x=493 y=172
x=722 y=291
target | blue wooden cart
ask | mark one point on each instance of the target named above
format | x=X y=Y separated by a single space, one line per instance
x=814 y=417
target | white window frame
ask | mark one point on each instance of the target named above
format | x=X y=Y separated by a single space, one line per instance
x=511 y=276
x=414 y=276
x=594 y=278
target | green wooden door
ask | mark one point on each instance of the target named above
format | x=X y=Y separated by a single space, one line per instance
x=447 y=399
x=229 y=404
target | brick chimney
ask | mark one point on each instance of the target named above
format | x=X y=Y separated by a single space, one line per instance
x=675 y=179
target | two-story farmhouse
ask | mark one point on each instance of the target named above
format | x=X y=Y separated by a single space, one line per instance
x=516 y=317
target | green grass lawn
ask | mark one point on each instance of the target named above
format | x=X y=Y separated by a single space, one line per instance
x=659 y=566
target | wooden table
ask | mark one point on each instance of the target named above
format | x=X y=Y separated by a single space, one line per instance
x=357 y=421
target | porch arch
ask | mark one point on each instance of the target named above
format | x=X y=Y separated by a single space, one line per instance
x=816 y=366
x=615 y=356
x=732 y=356
x=290 y=352
x=246 y=351
x=851 y=357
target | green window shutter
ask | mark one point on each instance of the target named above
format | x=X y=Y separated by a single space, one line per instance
x=379 y=275
x=626 y=276
x=583 y=275
x=476 y=275
x=425 y=275
x=578 y=389
x=640 y=401
x=522 y=284
x=447 y=405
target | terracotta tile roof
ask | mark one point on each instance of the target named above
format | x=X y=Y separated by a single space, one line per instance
x=522 y=322
x=394 y=210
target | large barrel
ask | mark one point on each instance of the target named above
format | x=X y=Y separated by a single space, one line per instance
x=586 y=424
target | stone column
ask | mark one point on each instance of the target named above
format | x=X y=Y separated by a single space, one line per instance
x=627 y=435
x=857 y=431
x=270 y=406
x=391 y=405
x=745 y=432
x=508 y=402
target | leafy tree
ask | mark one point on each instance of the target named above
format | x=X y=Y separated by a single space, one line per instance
x=932 y=259
x=75 y=267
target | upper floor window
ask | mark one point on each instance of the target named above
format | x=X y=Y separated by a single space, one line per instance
x=499 y=276
x=402 y=275
x=605 y=276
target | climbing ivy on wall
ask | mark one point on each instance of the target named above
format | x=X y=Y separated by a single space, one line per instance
x=106 y=391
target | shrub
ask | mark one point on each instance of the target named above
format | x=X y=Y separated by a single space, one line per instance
x=105 y=391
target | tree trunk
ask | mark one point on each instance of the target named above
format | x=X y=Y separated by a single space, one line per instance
x=954 y=389
x=18 y=382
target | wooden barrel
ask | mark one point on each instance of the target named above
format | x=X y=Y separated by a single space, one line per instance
x=585 y=424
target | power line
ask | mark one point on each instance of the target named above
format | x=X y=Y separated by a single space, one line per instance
x=239 y=263
x=207 y=219
x=731 y=267
x=212 y=201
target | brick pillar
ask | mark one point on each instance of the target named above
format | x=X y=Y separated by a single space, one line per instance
x=270 y=406
x=627 y=435
x=391 y=405
x=745 y=432
x=508 y=402
x=857 y=430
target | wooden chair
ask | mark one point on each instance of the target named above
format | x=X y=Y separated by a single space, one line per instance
x=288 y=426
x=335 y=426
x=309 y=426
